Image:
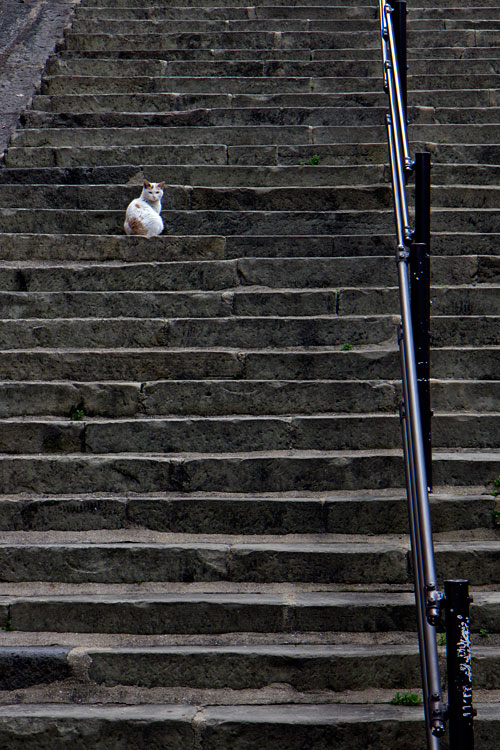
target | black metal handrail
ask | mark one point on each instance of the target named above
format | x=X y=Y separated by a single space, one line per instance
x=413 y=264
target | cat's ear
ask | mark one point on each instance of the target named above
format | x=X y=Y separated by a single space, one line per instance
x=147 y=184
x=161 y=184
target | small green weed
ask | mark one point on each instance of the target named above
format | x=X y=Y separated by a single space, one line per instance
x=77 y=415
x=496 y=484
x=346 y=348
x=8 y=625
x=495 y=516
x=441 y=639
x=406 y=699
x=312 y=163
x=483 y=633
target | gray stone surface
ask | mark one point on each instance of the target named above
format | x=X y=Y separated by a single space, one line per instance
x=199 y=453
x=28 y=35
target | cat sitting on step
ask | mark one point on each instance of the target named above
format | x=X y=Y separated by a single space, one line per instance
x=143 y=214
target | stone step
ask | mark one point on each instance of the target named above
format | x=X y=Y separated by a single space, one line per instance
x=317 y=39
x=204 y=613
x=234 y=12
x=354 y=431
x=462 y=300
x=83 y=66
x=327 y=154
x=285 y=364
x=314 y=11
x=216 y=176
x=230 y=222
x=251 y=332
x=283 y=24
x=224 y=222
x=175 y=726
x=305 y=667
x=245 y=332
x=240 y=134
x=79 y=247
x=439 y=4
x=349 y=513
x=56 y=85
x=239 y=115
x=179 y=197
x=481 y=177
x=271 y=471
x=369 y=52
x=277 y=273
x=210 y=398
x=236 y=667
x=112 y=561
x=187 y=197
x=159 y=109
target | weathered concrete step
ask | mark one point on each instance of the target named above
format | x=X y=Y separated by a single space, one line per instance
x=152 y=25
x=150 y=104
x=79 y=247
x=56 y=85
x=290 y=222
x=239 y=433
x=250 y=332
x=305 y=667
x=121 y=248
x=313 y=562
x=229 y=612
x=369 y=52
x=211 y=398
x=352 y=513
x=240 y=110
x=464 y=300
x=291 y=3
x=319 y=11
x=286 y=364
x=125 y=137
x=234 y=12
x=236 y=222
x=448 y=331
x=26 y=666
x=195 y=175
x=277 y=273
x=176 y=728
x=326 y=154
x=168 y=304
x=246 y=332
x=83 y=248
x=245 y=134
x=215 y=434
x=75 y=84
x=229 y=135
x=61 y=65
x=270 y=68
x=273 y=471
x=183 y=197
x=269 y=39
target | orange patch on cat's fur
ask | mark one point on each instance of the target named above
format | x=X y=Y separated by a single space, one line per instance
x=137 y=227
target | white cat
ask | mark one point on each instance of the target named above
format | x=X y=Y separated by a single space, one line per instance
x=143 y=214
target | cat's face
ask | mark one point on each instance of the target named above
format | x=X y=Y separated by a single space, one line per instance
x=153 y=191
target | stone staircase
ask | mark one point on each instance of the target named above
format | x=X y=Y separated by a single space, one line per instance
x=204 y=528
